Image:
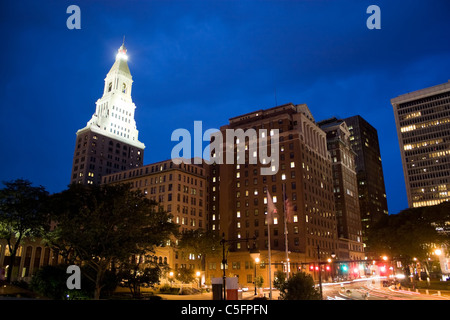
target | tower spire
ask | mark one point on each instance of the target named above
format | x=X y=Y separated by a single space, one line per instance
x=122 y=52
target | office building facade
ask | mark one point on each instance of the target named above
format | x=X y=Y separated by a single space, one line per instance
x=423 y=127
x=345 y=188
x=180 y=190
x=369 y=172
x=239 y=193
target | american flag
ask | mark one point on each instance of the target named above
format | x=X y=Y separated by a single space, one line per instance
x=271 y=209
x=289 y=210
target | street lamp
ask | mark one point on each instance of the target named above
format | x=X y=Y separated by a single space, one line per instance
x=224 y=259
x=198 y=273
x=255 y=254
x=333 y=257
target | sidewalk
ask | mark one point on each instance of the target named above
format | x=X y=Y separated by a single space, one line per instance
x=202 y=296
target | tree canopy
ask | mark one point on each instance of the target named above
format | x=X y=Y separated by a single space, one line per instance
x=300 y=286
x=412 y=232
x=22 y=215
x=200 y=243
x=107 y=224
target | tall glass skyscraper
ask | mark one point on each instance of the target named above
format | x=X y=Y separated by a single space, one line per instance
x=423 y=127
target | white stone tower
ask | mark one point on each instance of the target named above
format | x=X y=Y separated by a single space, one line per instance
x=109 y=142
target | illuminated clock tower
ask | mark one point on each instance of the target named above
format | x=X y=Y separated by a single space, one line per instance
x=109 y=142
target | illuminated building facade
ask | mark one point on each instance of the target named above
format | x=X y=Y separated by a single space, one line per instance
x=423 y=127
x=239 y=194
x=369 y=172
x=179 y=189
x=109 y=142
x=345 y=188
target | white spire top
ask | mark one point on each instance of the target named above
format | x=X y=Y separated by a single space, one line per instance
x=122 y=51
x=114 y=114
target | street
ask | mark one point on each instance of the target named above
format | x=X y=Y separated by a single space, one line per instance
x=372 y=289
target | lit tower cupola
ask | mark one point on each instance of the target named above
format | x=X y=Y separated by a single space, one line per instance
x=114 y=114
x=110 y=138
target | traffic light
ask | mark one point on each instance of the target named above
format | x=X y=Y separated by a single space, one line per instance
x=328 y=268
x=311 y=267
x=344 y=268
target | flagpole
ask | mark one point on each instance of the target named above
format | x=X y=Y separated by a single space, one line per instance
x=270 y=264
x=285 y=232
x=270 y=218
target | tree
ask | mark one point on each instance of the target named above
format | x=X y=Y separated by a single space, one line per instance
x=412 y=233
x=136 y=274
x=259 y=281
x=280 y=279
x=22 y=215
x=185 y=275
x=50 y=281
x=100 y=226
x=299 y=287
x=200 y=243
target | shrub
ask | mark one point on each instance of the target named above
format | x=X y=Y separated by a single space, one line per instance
x=299 y=287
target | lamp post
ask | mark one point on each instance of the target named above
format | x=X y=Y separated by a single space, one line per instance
x=320 y=273
x=198 y=274
x=224 y=259
x=256 y=262
x=255 y=254
x=333 y=257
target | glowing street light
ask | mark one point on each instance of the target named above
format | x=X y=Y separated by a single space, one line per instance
x=198 y=274
x=255 y=254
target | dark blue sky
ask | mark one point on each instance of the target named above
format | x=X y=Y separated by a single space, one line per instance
x=209 y=61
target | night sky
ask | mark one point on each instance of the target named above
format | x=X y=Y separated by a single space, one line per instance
x=209 y=61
